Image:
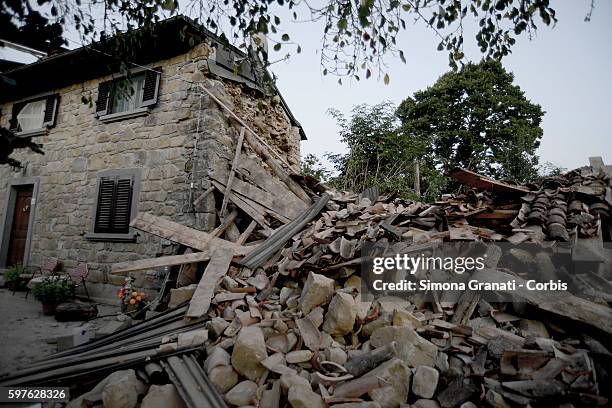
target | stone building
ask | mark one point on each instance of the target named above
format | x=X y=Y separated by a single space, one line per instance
x=112 y=150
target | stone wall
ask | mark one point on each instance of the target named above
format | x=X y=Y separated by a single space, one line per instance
x=183 y=138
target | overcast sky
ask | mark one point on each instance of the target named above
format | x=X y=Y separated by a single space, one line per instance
x=567 y=70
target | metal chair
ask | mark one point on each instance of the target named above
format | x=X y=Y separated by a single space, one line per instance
x=80 y=273
x=49 y=268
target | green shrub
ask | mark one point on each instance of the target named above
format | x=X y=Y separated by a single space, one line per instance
x=54 y=289
x=12 y=274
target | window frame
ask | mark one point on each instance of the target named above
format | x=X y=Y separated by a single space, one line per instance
x=131 y=235
x=46 y=125
x=105 y=115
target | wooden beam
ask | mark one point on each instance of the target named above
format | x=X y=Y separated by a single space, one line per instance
x=495 y=215
x=254 y=210
x=225 y=224
x=481 y=182
x=230 y=179
x=247 y=232
x=203 y=196
x=281 y=206
x=215 y=270
x=190 y=237
x=142 y=264
x=257 y=144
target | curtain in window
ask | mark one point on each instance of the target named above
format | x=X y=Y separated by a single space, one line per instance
x=126 y=100
x=32 y=115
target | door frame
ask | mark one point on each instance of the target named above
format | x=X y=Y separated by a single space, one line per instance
x=6 y=223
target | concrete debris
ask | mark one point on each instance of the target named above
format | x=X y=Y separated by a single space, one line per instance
x=181 y=295
x=298 y=356
x=318 y=290
x=425 y=381
x=162 y=396
x=242 y=394
x=249 y=351
x=223 y=378
x=122 y=391
x=303 y=397
x=301 y=331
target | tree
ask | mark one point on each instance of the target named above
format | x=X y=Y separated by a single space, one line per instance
x=356 y=38
x=478 y=119
x=377 y=154
x=310 y=165
x=380 y=154
x=9 y=142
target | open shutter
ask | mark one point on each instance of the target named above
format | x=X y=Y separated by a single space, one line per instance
x=114 y=205
x=103 y=96
x=104 y=210
x=51 y=110
x=13 y=123
x=123 y=206
x=151 y=87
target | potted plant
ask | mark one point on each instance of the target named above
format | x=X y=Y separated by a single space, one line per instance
x=132 y=302
x=12 y=277
x=52 y=291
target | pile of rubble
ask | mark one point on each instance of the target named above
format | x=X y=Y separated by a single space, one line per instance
x=278 y=318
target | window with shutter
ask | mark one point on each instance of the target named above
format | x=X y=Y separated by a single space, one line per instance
x=118 y=99
x=34 y=115
x=116 y=205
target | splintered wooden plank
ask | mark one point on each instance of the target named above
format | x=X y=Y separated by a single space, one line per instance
x=215 y=270
x=190 y=237
x=264 y=202
x=230 y=179
x=255 y=212
x=479 y=181
x=142 y=264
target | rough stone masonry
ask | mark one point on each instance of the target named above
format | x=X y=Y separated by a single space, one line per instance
x=184 y=138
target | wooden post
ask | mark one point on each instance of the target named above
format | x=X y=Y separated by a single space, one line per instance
x=230 y=179
x=417 y=178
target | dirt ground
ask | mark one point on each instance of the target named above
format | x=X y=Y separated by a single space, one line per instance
x=26 y=335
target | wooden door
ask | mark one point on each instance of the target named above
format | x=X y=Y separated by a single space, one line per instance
x=20 y=225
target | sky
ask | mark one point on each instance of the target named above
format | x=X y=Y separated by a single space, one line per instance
x=566 y=69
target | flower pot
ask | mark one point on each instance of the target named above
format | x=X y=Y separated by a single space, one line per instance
x=49 y=308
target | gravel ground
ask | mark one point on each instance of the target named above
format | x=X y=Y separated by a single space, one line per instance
x=26 y=335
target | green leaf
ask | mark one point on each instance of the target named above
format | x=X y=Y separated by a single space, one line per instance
x=386 y=79
x=277 y=47
x=285 y=37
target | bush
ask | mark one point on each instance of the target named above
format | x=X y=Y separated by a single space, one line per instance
x=55 y=289
x=12 y=274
